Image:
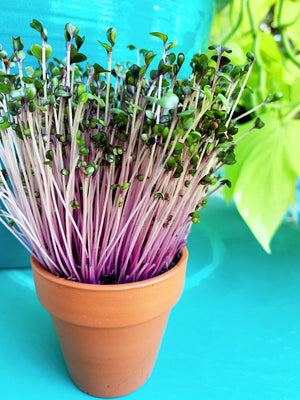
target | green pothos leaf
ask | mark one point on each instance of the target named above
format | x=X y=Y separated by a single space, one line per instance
x=263 y=180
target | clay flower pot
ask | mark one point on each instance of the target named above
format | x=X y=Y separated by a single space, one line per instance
x=110 y=334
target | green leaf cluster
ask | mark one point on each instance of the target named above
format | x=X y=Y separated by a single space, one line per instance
x=263 y=180
x=268 y=164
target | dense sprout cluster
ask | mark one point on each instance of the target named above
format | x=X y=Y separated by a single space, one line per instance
x=104 y=169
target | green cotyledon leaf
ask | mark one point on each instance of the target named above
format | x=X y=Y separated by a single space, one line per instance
x=263 y=180
x=169 y=101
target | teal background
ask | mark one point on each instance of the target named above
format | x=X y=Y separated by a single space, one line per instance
x=234 y=335
x=187 y=21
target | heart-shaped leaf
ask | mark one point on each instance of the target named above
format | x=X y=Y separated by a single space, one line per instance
x=169 y=101
x=171 y=45
x=5 y=88
x=17 y=43
x=98 y=69
x=48 y=51
x=263 y=180
x=36 y=50
x=111 y=36
x=3 y=54
x=18 y=94
x=70 y=31
x=35 y=24
x=106 y=46
x=79 y=41
x=4 y=124
x=30 y=92
x=160 y=35
x=98 y=99
x=62 y=93
x=77 y=58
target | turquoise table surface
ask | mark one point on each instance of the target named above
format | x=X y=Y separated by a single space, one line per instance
x=235 y=334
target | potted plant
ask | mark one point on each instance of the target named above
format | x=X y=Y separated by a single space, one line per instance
x=104 y=170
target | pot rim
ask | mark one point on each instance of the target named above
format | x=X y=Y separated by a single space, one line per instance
x=109 y=287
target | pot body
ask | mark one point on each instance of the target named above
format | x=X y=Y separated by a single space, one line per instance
x=110 y=334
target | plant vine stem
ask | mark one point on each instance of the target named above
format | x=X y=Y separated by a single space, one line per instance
x=137 y=96
x=107 y=86
x=158 y=96
x=250 y=111
x=261 y=81
x=240 y=93
x=238 y=23
x=245 y=134
x=284 y=39
x=68 y=62
x=69 y=81
x=72 y=79
x=160 y=87
x=20 y=72
x=211 y=192
x=292 y=113
x=36 y=163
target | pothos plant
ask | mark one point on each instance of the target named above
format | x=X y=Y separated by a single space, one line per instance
x=264 y=179
x=104 y=170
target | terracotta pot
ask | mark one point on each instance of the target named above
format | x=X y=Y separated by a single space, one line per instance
x=110 y=334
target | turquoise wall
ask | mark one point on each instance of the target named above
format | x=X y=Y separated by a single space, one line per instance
x=187 y=21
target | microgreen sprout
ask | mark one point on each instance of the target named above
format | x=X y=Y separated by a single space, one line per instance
x=104 y=169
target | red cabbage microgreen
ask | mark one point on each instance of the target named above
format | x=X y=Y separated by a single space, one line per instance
x=105 y=169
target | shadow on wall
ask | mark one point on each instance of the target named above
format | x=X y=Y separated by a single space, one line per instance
x=187 y=21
